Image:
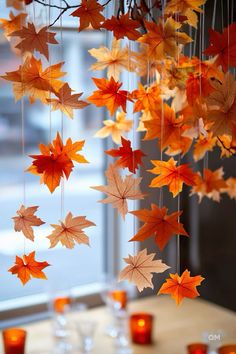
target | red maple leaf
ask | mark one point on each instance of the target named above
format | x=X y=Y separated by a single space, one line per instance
x=127 y=156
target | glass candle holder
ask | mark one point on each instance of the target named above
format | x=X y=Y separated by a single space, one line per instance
x=197 y=348
x=119 y=296
x=60 y=304
x=14 y=341
x=141 y=328
x=227 y=349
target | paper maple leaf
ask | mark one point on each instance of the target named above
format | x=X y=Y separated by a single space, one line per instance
x=115 y=60
x=25 y=219
x=109 y=95
x=172 y=176
x=140 y=269
x=197 y=86
x=146 y=98
x=30 y=79
x=124 y=26
x=162 y=40
x=13 y=24
x=66 y=101
x=89 y=13
x=223 y=45
x=185 y=8
x=202 y=145
x=27 y=267
x=115 y=128
x=180 y=287
x=55 y=161
x=70 y=231
x=119 y=190
x=32 y=40
x=168 y=128
x=157 y=222
x=231 y=187
x=222 y=106
x=127 y=156
x=210 y=185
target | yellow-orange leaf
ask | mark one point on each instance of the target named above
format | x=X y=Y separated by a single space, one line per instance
x=70 y=231
x=115 y=128
x=30 y=79
x=115 y=60
x=27 y=267
x=172 y=176
x=231 y=187
x=181 y=286
x=66 y=101
x=210 y=185
x=202 y=145
x=146 y=98
x=185 y=8
x=140 y=269
x=25 y=219
x=14 y=23
x=119 y=190
x=163 y=40
x=157 y=222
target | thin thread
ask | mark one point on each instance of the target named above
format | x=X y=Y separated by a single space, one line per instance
x=214 y=15
x=50 y=93
x=62 y=123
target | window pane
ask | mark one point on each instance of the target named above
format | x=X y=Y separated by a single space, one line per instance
x=71 y=266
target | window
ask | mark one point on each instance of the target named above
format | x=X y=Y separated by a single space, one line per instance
x=71 y=266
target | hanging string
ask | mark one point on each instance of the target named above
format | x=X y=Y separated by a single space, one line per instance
x=23 y=130
x=214 y=14
x=222 y=15
x=62 y=119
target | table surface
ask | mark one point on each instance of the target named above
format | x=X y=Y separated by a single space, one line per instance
x=174 y=327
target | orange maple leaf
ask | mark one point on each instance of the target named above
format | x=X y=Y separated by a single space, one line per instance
x=181 y=286
x=70 y=231
x=140 y=269
x=124 y=26
x=127 y=156
x=119 y=190
x=13 y=24
x=89 y=13
x=32 y=80
x=146 y=98
x=109 y=95
x=185 y=8
x=33 y=40
x=163 y=40
x=231 y=187
x=66 y=101
x=55 y=161
x=25 y=219
x=157 y=222
x=211 y=184
x=172 y=176
x=223 y=45
x=202 y=145
x=115 y=128
x=197 y=86
x=168 y=128
x=27 y=267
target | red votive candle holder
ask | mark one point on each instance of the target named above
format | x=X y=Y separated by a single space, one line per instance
x=61 y=303
x=197 y=348
x=227 y=349
x=14 y=341
x=141 y=328
x=119 y=296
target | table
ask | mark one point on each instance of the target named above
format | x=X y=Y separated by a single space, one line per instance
x=175 y=327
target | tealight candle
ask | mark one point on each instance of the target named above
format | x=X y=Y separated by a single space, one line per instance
x=141 y=328
x=228 y=349
x=119 y=296
x=60 y=304
x=14 y=341
x=197 y=348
